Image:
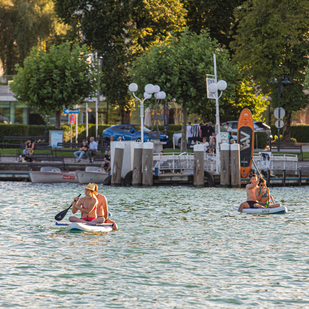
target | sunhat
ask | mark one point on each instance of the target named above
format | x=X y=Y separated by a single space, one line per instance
x=90 y=187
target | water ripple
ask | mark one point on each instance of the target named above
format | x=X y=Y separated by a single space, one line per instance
x=176 y=247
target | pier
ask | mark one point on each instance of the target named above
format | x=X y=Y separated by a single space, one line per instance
x=174 y=170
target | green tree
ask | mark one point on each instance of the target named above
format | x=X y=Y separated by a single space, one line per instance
x=48 y=82
x=121 y=31
x=273 y=39
x=25 y=24
x=215 y=15
x=179 y=66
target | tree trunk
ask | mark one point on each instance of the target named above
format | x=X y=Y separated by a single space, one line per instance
x=57 y=125
x=184 y=129
x=125 y=115
x=286 y=131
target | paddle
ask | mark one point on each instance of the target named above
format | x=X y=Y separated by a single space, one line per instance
x=256 y=167
x=62 y=214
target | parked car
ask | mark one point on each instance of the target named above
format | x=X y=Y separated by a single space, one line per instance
x=259 y=126
x=177 y=138
x=132 y=132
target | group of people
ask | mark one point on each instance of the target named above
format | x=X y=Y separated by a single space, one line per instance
x=205 y=131
x=90 y=150
x=258 y=195
x=93 y=207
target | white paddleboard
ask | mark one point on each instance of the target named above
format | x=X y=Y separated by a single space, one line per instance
x=86 y=227
x=263 y=211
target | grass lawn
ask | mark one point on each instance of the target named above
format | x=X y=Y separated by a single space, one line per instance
x=13 y=151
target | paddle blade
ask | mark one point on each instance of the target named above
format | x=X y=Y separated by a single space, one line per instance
x=61 y=214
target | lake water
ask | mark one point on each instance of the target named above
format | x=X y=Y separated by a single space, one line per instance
x=176 y=247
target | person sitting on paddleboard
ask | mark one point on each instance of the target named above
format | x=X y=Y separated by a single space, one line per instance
x=86 y=205
x=251 y=197
x=102 y=209
x=263 y=196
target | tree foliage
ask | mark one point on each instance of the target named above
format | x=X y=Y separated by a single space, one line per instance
x=273 y=39
x=25 y=24
x=215 y=15
x=120 y=31
x=48 y=82
x=179 y=66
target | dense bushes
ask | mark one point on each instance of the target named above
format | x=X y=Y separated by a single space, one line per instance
x=300 y=133
x=82 y=131
x=172 y=128
x=22 y=130
x=261 y=138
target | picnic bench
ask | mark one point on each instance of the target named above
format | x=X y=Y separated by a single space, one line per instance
x=72 y=147
x=67 y=147
x=11 y=141
x=295 y=149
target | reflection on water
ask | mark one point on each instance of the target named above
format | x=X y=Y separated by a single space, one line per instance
x=176 y=247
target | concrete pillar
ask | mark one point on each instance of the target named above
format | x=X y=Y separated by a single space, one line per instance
x=235 y=166
x=157 y=146
x=117 y=164
x=147 y=164
x=225 y=165
x=137 y=165
x=198 y=179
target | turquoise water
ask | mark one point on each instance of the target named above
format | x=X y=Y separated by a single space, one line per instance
x=176 y=247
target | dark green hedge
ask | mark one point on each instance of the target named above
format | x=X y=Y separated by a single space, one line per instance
x=13 y=130
x=172 y=128
x=300 y=133
x=262 y=139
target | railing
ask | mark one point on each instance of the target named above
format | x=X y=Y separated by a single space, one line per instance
x=184 y=163
x=279 y=163
x=181 y=163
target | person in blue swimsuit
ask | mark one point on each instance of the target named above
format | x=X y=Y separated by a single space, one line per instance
x=263 y=196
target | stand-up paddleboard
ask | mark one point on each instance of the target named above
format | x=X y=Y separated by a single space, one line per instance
x=263 y=211
x=245 y=138
x=86 y=227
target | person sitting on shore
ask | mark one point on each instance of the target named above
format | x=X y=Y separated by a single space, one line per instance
x=82 y=151
x=251 y=196
x=107 y=162
x=86 y=205
x=212 y=145
x=262 y=195
x=205 y=144
x=93 y=148
x=102 y=209
x=29 y=148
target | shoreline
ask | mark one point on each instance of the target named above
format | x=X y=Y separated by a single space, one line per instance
x=10 y=170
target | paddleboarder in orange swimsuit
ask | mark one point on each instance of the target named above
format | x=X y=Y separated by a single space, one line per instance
x=86 y=205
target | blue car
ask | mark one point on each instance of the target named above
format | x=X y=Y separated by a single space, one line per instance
x=132 y=132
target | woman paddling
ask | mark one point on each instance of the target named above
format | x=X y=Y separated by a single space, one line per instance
x=262 y=195
x=86 y=205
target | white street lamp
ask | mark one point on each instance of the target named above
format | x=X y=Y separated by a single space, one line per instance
x=213 y=89
x=149 y=90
